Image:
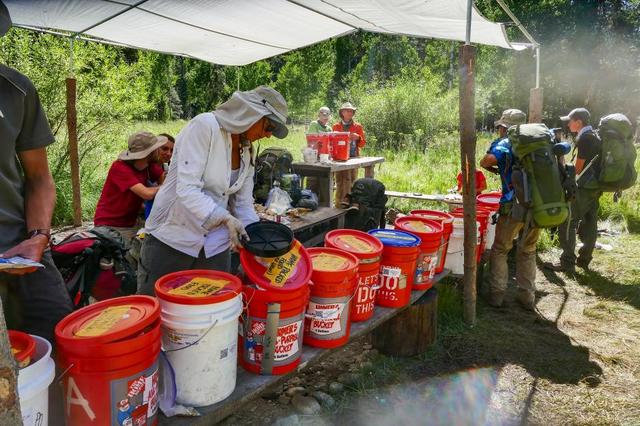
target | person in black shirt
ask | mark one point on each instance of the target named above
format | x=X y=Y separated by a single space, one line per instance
x=584 y=209
x=33 y=300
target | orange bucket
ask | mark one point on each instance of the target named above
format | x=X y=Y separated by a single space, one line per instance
x=430 y=233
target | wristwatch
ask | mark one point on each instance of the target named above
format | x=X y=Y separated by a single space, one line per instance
x=35 y=232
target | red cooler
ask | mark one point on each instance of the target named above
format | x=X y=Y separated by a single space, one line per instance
x=340 y=144
x=320 y=142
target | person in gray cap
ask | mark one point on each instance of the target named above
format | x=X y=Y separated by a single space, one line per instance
x=321 y=125
x=200 y=212
x=499 y=159
x=34 y=299
x=132 y=179
x=584 y=208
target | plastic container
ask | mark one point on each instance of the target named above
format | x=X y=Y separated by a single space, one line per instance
x=397 y=266
x=109 y=352
x=321 y=142
x=430 y=234
x=276 y=293
x=490 y=201
x=340 y=146
x=33 y=384
x=455 y=250
x=334 y=282
x=199 y=313
x=23 y=346
x=368 y=250
x=482 y=217
x=447 y=228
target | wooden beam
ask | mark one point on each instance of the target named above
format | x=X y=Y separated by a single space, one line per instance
x=9 y=400
x=535 y=105
x=468 y=161
x=72 y=132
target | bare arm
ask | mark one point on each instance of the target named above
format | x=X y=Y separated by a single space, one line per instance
x=490 y=163
x=145 y=192
x=579 y=165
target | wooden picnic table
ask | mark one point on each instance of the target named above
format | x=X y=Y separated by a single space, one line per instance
x=251 y=385
x=344 y=177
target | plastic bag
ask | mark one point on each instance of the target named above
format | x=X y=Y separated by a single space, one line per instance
x=278 y=201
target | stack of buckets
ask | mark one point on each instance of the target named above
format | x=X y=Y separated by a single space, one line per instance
x=199 y=312
x=334 y=282
x=447 y=228
x=430 y=234
x=108 y=354
x=276 y=293
x=491 y=203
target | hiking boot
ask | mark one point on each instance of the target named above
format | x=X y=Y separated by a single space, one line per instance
x=582 y=264
x=496 y=299
x=526 y=299
x=560 y=267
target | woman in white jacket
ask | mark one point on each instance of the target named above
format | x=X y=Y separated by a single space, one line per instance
x=200 y=212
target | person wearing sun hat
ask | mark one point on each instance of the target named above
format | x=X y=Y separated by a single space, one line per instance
x=348 y=124
x=321 y=125
x=132 y=179
x=200 y=212
x=34 y=299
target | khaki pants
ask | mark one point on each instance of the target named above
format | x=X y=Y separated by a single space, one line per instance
x=507 y=230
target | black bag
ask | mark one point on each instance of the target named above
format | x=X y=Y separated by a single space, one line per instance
x=271 y=165
x=366 y=205
x=618 y=156
x=93 y=264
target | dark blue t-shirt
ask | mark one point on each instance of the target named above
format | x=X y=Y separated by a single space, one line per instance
x=501 y=149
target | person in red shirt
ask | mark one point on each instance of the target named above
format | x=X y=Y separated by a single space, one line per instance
x=347 y=124
x=132 y=179
x=481 y=182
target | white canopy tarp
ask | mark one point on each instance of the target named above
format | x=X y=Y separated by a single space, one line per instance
x=238 y=32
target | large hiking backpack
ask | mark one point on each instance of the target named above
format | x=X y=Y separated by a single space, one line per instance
x=271 y=165
x=618 y=155
x=543 y=193
x=366 y=205
x=93 y=265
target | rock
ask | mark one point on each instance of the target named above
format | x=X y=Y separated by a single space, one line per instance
x=321 y=386
x=306 y=405
x=335 y=387
x=271 y=395
x=367 y=346
x=292 y=420
x=348 y=379
x=294 y=381
x=324 y=399
x=298 y=390
x=284 y=400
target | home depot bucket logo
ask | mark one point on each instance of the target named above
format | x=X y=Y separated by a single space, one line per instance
x=288 y=338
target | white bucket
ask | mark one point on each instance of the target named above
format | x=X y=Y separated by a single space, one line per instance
x=33 y=385
x=455 y=251
x=491 y=233
x=200 y=342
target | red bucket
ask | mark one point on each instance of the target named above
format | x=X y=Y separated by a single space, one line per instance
x=447 y=228
x=490 y=200
x=23 y=346
x=482 y=221
x=276 y=294
x=340 y=145
x=430 y=233
x=109 y=354
x=368 y=250
x=397 y=266
x=333 y=284
x=320 y=142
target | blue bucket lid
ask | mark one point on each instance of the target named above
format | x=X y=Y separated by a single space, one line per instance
x=395 y=238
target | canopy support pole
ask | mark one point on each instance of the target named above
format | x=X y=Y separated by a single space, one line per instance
x=468 y=166
x=72 y=134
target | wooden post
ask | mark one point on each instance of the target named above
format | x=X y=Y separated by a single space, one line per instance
x=468 y=163
x=412 y=331
x=72 y=132
x=9 y=400
x=535 y=105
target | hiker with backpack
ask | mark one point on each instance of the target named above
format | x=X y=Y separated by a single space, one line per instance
x=33 y=299
x=200 y=212
x=605 y=161
x=533 y=197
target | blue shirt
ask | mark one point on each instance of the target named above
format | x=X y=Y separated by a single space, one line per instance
x=501 y=149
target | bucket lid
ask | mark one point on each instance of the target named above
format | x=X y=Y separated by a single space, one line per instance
x=22 y=345
x=363 y=245
x=109 y=320
x=268 y=239
x=492 y=198
x=419 y=225
x=333 y=260
x=281 y=274
x=433 y=215
x=395 y=238
x=198 y=287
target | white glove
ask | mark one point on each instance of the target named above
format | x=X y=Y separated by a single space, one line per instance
x=236 y=232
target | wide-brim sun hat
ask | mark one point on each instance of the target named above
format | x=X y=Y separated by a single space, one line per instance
x=277 y=105
x=5 y=19
x=141 y=144
x=511 y=117
x=347 y=105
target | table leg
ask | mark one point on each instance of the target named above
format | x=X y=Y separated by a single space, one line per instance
x=343 y=186
x=369 y=171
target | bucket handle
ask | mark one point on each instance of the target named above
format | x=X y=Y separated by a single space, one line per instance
x=64 y=373
x=193 y=343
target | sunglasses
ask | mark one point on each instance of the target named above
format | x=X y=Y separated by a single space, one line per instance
x=269 y=126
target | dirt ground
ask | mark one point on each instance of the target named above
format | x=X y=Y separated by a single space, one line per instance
x=574 y=361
